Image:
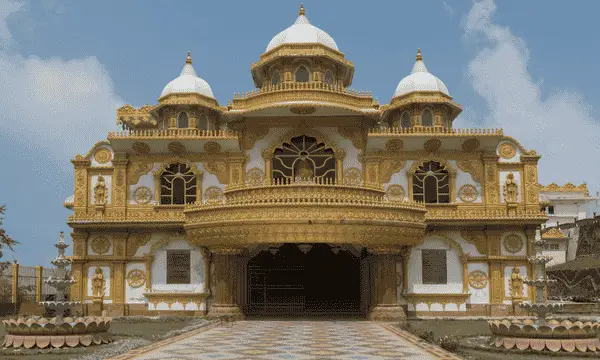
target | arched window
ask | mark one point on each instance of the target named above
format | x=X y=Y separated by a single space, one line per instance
x=303 y=158
x=405 y=122
x=328 y=77
x=275 y=77
x=177 y=185
x=203 y=123
x=427 y=118
x=163 y=124
x=302 y=74
x=183 y=121
x=431 y=183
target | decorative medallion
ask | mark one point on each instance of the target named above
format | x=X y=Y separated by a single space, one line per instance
x=213 y=194
x=395 y=192
x=136 y=278
x=394 y=145
x=141 y=148
x=212 y=147
x=478 y=279
x=303 y=110
x=432 y=145
x=142 y=195
x=100 y=245
x=352 y=176
x=470 y=145
x=513 y=243
x=507 y=151
x=468 y=193
x=255 y=176
x=176 y=148
x=103 y=156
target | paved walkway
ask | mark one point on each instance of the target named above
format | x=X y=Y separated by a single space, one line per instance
x=261 y=339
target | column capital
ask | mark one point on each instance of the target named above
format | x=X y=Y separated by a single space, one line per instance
x=226 y=250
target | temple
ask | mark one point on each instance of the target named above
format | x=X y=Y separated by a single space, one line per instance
x=303 y=196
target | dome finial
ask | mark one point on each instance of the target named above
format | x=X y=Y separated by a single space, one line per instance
x=302 y=12
x=189 y=58
x=419 y=56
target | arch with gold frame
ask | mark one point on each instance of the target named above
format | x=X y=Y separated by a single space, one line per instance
x=193 y=168
x=338 y=153
x=417 y=163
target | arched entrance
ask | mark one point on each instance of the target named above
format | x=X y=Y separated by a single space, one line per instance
x=305 y=279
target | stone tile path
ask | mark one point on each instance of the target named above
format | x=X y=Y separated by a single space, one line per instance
x=295 y=340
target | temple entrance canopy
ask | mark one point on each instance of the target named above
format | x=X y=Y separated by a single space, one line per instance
x=304 y=279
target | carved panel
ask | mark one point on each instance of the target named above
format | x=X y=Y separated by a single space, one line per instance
x=388 y=167
x=476 y=238
x=217 y=168
x=473 y=167
x=137 y=169
x=135 y=241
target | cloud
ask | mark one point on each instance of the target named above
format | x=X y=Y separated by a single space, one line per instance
x=448 y=8
x=7 y=7
x=559 y=126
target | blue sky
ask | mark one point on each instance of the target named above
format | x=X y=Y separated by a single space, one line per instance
x=529 y=67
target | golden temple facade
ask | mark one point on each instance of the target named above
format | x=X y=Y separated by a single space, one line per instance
x=303 y=196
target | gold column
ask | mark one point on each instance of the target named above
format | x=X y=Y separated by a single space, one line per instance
x=530 y=194
x=491 y=185
x=118 y=285
x=80 y=186
x=268 y=157
x=339 y=166
x=119 y=184
x=15 y=283
x=78 y=288
x=226 y=273
x=464 y=259
x=149 y=259
x=206 y=256
x=236 y=173
x=384 y=285
x=79 y=244
x=38 y=283
x=452 y=187
x=495 y=266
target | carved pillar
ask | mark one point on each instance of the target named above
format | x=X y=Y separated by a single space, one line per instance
x=384 y=305
x=206 y=256
x=339 y=166
x=372 y=166
x=452 y=187
x=79 y=244
x=118 y=285
x=149 y=259
x=268 y=157
x=492 y=184
x=78 y=288
x=227 y=277
x=496 y=270
x=119 y=244
x=236 y=170
x=119 y=184
x=38 y=283
x=15 y=283
x=464 y=259
x=81 y=186
x=529 y=181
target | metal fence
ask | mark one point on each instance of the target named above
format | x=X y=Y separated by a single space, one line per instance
x=29 y=283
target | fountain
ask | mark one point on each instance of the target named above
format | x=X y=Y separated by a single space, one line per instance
x=59 y=331
x=544 y=332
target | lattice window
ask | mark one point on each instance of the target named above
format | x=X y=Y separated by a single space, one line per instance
x=183 y=121
x=304 y=158
x=405 y=121
x=431 y=183
x=434 y=266
x=178 y=267
x=302 y=74
x=329 y=77
x=427 y=118
x=275 y=78
x=177 y=185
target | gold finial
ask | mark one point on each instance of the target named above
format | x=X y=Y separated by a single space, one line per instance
x=302 y=12
x=419 y=57
x=189 y=58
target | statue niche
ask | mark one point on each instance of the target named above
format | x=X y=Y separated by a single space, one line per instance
x=98 y=283
x=516 y=288
x=100 y=191
x=511 y=189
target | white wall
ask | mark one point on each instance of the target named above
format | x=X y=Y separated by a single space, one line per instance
x=159 y=268
x=480 y=296
x=135 y=295
x=415 y=272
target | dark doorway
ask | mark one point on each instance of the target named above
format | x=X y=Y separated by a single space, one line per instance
x=286 y=281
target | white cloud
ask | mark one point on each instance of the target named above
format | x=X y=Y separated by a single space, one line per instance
x=7 y=7
x=448 y=8
x=64 y=106
x=559 y=126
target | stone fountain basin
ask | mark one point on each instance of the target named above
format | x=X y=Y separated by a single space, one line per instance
x=554 y=335
x=43 y=332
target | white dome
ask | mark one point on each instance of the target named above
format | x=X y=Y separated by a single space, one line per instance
x=302 y=32
x=188 y=82
x=420 y=80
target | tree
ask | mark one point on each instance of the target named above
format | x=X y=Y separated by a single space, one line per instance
x=5 y=239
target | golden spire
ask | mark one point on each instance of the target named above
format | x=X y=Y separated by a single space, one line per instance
x=189 y=58
x=301 y=12
x=419 y=57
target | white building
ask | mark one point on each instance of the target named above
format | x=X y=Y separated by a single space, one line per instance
x=567 y=203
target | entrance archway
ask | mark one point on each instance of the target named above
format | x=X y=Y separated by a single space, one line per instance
x=299 y=280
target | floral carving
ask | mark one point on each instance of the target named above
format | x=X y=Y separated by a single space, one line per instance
x=102 y=156
x=513 y=243
x=142 y=195
x=507 y=151
x=478 y=279
x=136 y=170
x=140 y=148
x=432 y=145
x=176 y=148
x=473 y=167
x=468 y=193
x=394 y=145
x=255 y=176
x=136 y=278
x=352 y=176
x=213 y=194
x=100 y=245
x=212 y=147
x=395 y=192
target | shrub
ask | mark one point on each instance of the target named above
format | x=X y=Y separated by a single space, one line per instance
x=427 y=336
x=450 y=343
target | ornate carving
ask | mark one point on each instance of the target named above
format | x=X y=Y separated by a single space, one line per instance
x=136 y=278
x=516 y=284
x=568 y=187
x=134 y=241
x=212 y=147
x=394 y=145
x=103 y=156
x=477 y=239
x=470 y=145
x=255 y=176
x=388 y=167
x=141 y=148
x=507 y=151
x=213 y=194
x=432 y=145
x=251 y=135
x=513 y=243
x=468 y=193
x=176 y=148
x=395 y=192
x=100 y=245
x=554 y=233
x=511 y=189
x=354 y=134
x=137 y=169
x=142 y=195
x=353 y=176
x=478 y=279
x=302 y=110
x=473 y=167
x=218 y=168
x=98 y=282
x=100 y=191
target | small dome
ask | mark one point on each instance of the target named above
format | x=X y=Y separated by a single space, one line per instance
x=302 y=32
x=188 y=82
x=420 y=80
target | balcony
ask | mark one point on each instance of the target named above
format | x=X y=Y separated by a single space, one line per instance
x=173 y=134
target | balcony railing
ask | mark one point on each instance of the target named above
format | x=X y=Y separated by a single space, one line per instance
x=430 y=130
x=179 y=134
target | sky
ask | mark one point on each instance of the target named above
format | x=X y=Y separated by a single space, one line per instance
x=529 y=67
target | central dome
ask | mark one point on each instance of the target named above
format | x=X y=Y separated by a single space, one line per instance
x=302 y=32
